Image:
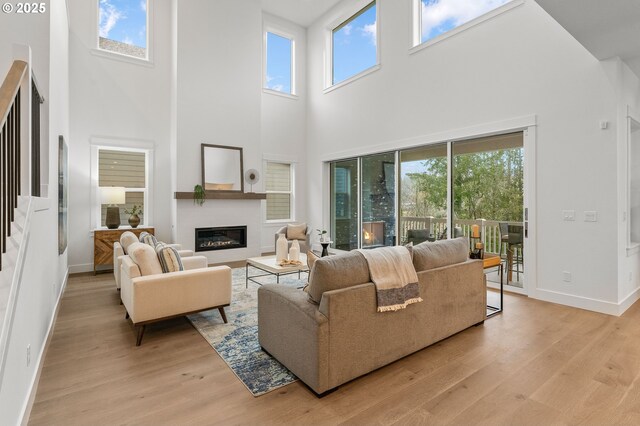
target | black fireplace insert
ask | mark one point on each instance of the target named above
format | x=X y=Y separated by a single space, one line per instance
x=221 y=238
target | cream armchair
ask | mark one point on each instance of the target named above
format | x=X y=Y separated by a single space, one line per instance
x=120 y=249
x=156 y=297
x=305 y=244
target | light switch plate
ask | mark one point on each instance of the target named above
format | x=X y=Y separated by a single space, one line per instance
x=569 y=215
x=590 y=216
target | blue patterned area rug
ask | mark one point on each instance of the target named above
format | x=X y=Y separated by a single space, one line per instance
x=237 y=342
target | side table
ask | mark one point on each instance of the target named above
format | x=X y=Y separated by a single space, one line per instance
x=325 y=247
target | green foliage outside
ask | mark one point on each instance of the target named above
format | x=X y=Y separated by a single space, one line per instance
x=486 y=185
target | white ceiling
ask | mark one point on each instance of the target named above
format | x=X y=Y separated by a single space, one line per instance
x=302 y=12
x=606 y=28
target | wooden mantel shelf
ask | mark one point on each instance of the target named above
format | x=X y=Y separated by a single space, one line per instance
x=219 y=195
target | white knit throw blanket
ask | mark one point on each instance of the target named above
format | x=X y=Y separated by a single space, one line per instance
x=394 y=276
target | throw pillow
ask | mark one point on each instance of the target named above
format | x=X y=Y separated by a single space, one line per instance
x=126 y=239
x=149 y=239
x=146 y=258
x=311 y=260
x=169 y=258
x=336 y=272
x=297 y=231
x=410 y=248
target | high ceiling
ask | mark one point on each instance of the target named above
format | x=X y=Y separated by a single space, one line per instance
x=302 y=12
x=606 y=28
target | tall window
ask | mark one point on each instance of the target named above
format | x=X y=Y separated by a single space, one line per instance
x=436 y=17
x=279 y=188
x=279 y=63
x=354 y=44
x=128 y=169
x=634 y=181
x=123 y=27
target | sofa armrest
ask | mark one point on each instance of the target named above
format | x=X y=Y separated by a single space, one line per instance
x=194 y=262
x=176 y=246
x=293 y=330
x=186 y=253
x=165 y=295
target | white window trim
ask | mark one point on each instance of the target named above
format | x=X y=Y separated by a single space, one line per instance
x=633 y=247
x=328 y=57
x=292 y=212
x=116 y=144
x=416 y=40
x=270 y=28
x=97 y=51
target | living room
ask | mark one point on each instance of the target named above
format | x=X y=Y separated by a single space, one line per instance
x=569 y=87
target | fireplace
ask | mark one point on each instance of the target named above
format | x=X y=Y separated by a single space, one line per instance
x=221 y=238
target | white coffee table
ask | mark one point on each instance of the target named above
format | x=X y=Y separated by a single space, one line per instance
x=269 y=265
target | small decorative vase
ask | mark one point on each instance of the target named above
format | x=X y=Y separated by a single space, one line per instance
x=282 y=247
x=294 y=252
x=134 y=220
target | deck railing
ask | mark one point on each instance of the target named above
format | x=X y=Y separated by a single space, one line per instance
x=489 y=229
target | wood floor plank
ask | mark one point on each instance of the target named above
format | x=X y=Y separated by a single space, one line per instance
x=537 y=363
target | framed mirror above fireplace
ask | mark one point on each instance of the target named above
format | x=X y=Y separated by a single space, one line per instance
x=222 y=168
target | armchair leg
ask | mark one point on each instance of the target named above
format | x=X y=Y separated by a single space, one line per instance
x=222 y=314
x=140 y=334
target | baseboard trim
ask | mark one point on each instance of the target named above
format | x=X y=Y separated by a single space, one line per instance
x=626 y=303
x=78 y=269
x=596 y=305
x=26 y=413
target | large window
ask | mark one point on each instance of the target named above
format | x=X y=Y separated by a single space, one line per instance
x=128 y=169
x=279 y=74
x=279 y=189
x=436 y=17
x=123 y=27
x=354 y=44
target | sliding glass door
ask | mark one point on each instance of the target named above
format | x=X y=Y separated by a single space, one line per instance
x=344 y=204
x=423 y=194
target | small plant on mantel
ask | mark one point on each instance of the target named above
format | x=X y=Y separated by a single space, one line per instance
x=198 y=195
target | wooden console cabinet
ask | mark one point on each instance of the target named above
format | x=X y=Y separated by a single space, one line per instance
x=103 y=240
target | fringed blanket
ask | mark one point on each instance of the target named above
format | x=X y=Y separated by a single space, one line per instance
x=392 y=272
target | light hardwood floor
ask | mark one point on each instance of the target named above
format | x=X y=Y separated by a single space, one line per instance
x=537 y=363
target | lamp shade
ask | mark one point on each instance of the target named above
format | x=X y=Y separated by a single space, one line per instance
x=112 y=194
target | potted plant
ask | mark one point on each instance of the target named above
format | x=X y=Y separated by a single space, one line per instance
x=321 y=234
x=134 y=215
x=198 y=195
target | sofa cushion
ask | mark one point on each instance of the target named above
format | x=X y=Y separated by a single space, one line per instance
x=148 y=239
x=146 y=258
x=169 y=258
x=431 y=255
x=297 y=231
x=126 y=239
x=336 y=272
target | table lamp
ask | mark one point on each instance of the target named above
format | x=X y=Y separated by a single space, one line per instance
x=112 y=195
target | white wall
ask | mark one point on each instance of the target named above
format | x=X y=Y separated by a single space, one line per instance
x=46 y=273
x=284 y=128
x=520 y=63
x=119 y=100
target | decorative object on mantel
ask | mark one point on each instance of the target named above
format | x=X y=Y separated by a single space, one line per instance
x=282 y=246
x=322 y=234
x=294 y=252
x=134 y=218
x=252 y=177
x=112 y=195
x=198 y=195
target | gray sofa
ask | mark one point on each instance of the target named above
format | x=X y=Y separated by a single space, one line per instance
x=332 y=333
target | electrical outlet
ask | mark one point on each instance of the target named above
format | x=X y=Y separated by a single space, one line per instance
x=590 y=216
x=569 y=215
x=566 y=276
x=28 y=355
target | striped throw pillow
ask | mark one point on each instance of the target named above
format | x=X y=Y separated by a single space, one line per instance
x=169 y=258
x=148 y=238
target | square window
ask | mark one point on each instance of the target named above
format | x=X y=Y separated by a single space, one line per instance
x=279 y=67
x=437 y=17
x=354 y=44
x=123 y=27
